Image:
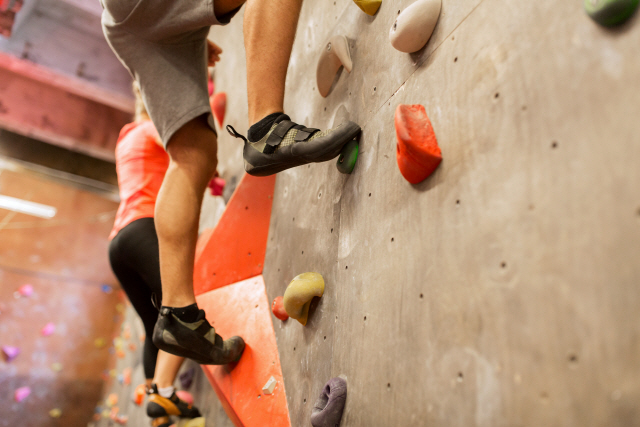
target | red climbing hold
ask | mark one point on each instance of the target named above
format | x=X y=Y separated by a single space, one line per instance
x=278 y=309
x=417 y=152
x=219 y=106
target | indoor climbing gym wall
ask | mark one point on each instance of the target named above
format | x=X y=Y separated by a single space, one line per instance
x=501 y=289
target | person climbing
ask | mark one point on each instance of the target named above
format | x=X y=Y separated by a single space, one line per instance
x=141 y=163
x=163 y=45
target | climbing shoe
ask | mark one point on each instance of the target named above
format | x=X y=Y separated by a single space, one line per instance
x=197 y=341
x=288 y=145
x=161 y=407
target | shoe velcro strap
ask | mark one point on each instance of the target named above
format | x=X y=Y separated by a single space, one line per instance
x=304 y=133
x=203 y=328
x=279 y=132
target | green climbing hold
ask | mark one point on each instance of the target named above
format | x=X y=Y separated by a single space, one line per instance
x=348 y=157
x=370 y=7
x=610 y=12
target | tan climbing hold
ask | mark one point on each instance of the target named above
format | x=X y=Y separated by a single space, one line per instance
x=370 y=7
x=414 y=26
x=302 y=289
x=195 y=422
x=334 y=55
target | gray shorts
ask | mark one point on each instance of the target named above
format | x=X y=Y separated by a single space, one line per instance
x=163 y=45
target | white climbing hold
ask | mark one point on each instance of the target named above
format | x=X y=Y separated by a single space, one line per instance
x=269 y=386
x=334 y=55
x=414 y=26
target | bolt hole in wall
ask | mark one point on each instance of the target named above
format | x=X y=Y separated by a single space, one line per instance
x=455 y=59
x=460 y=377
x=421 y=296
x=503 y=264
x=554 y=144
x=388 y=386
x=392 y=239
x=497 y=95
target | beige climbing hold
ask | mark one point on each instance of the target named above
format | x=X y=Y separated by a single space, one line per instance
x=302 y=289
x=414 y=25
x=269 y=386
x=334 y=55
x=370 y=7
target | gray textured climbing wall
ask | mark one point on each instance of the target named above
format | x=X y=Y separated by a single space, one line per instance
x=502 y=291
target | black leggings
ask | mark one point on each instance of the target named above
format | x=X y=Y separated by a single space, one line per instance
x=135 y=260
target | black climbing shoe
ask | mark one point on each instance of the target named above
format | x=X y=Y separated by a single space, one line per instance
x=159 y=407
x=288 y=145
x=197 y=341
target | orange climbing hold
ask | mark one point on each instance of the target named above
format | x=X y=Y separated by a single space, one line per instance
x=277 y=307
x=417 y=151
x=219 y=106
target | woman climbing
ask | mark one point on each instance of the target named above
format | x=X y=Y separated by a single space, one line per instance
x=141 y=163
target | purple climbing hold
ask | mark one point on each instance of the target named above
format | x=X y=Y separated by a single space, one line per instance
x=21 y=394
x=186 y=378
x=10 y=352
x=327 y=411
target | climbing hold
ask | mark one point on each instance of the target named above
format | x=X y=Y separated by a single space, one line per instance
x=48 y=329
x=348 y=157
x=417 y=151
x=195 y=422
x=610 y=12
x=414 y=26
x=269 y=386
x=55 y=413
x=186 y=378
x=21 y=394
x=25 y=290
x=185 y=395
x=10 y=352
x=122 y=419
x=132 y=346
x=126 y=376
x=56 y=367
x=302 y=289
x=107 y=289
x=216 y=186
x=219 y=106
x=120 y=307
x=211 y=86
x=327 y=411
x=120 y=354
x=370 y=7
x=126 y=331
x=335 y=55
x=278 y=309
x=138 y=394
x=100 y=342
x=112 y=400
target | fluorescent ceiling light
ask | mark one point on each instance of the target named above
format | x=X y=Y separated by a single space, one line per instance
x=29 y=208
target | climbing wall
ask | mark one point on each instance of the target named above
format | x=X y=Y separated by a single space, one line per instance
x=501 y=291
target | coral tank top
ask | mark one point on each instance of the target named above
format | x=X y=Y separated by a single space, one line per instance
x=141 y=164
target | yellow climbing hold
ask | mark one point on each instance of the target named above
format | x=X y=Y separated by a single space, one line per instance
x=299 y=294
x=196 y=422
x=370 y=7
x=55 y=413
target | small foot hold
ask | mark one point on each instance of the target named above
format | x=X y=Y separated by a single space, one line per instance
x=302 y=289
x=414 y=26
x=370 y=7
x=610 y=12
x=195 y=422
x=417 y=151
x=334 y=55
x=219 y=106
x=185 y=396
x=186 y=378
x=327 y=411
x=278 y=309
x=348 y=157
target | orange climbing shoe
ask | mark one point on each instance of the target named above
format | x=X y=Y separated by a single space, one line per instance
x=159 y=407
x=197 y=341
x=288 y=145
x=417 y=152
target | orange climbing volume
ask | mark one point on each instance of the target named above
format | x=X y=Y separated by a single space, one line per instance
x=417 y=151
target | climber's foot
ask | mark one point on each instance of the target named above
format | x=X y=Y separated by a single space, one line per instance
x=197 y=341
x=287 y=145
